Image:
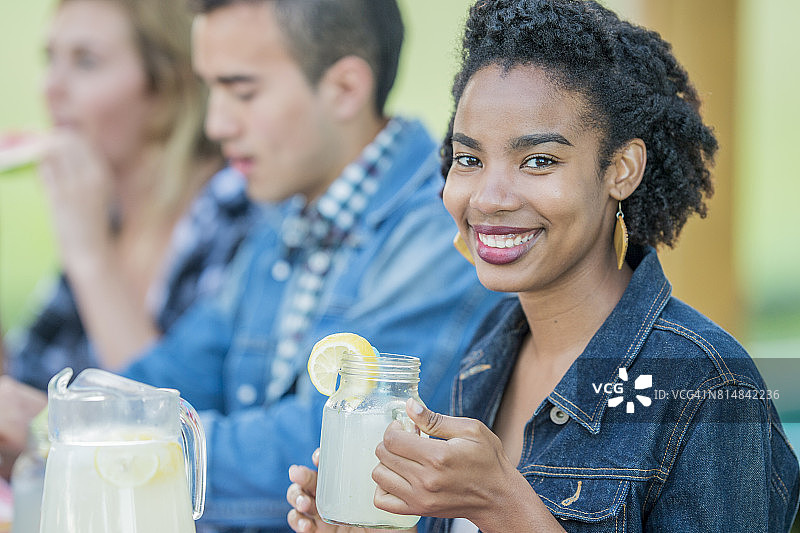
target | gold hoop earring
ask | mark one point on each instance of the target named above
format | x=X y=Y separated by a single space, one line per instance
x=461 y=246
x=620 y=237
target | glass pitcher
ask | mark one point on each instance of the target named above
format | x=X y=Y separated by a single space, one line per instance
x=371 y=394
x=116 y=462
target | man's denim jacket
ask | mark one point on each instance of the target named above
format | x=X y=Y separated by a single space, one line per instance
x=696 y=447
x=398 y=282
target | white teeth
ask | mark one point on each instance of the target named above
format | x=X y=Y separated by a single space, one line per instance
x=504 y=241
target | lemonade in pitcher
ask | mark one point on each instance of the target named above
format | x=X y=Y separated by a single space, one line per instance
x=124 y=458
x=141 y=484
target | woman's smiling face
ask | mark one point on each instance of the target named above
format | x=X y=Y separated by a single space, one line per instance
x=524 y=186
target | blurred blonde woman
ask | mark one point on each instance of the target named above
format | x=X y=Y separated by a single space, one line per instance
x=144 y=214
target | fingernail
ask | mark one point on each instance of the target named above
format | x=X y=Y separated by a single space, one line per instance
x=302 y=502
x=298 y=475
x=415 y=406
x=303 y=524
x=315 y=455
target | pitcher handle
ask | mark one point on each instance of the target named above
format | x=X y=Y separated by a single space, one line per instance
x=194 y=456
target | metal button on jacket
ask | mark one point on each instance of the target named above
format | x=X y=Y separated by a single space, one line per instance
x=558 y=416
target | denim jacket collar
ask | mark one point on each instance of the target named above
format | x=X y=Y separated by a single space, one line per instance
x=412 y=143
x=646 y=295
x=647 y=291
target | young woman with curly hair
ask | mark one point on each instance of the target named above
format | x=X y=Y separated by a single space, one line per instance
x=594 y=401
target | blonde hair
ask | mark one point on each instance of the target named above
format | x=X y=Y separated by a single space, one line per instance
x=162 y=35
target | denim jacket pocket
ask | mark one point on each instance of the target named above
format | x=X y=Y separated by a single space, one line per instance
x=584 y=504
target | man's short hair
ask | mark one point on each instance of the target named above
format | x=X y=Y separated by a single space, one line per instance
x=318 y=33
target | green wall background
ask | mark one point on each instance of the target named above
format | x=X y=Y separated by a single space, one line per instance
x=768 y=248
x=26 y=245
x=768 y=174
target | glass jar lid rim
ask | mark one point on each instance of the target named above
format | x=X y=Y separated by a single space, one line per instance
x=386 y=367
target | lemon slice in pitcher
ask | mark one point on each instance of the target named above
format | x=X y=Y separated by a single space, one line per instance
x=170 y=459
x=126 y=466
x=326 y=358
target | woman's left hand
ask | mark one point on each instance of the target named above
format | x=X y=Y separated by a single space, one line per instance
x=464 y=472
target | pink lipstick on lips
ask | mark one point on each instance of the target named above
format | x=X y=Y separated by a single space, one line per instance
x=500 y=245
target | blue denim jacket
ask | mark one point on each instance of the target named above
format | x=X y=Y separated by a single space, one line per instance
x=397 y=282
x=699 y=449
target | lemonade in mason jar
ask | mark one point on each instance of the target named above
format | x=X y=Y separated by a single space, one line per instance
x=372 y=393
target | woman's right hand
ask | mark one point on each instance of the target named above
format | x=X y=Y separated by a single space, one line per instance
x=301 y=495
x=79 y=188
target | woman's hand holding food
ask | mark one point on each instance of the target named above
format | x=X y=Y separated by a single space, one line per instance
x=79 y=187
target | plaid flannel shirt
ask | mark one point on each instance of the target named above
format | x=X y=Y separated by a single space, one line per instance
x=203 y=242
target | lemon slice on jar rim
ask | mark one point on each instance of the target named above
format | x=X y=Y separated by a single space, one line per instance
x=326 y=358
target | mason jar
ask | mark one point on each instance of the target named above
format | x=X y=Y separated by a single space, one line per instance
x=372 y=393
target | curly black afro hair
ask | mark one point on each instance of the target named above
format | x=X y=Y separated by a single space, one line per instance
x=633 y=87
